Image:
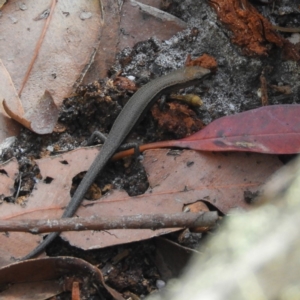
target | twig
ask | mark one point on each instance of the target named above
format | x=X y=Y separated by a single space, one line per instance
x=141 y=221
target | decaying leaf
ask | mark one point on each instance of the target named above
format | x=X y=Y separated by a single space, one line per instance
x=250 y=29
x=64 y=53
x=69 y=52
x=44 y=278
x=171 y=257
x=224 y=180
x=140 y=22
x=8 y=174
x=41 y=119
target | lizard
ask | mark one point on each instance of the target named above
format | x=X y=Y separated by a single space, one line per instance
x=131 y=113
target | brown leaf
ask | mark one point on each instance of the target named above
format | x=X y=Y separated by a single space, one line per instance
x=43 y=278
x=139 y=22
x=127 y=25
x=65 y=59
x=42 y=119
x=8 y=174
x=7 y=91
x=219 y=179
x=109 y=37
x=65 y=51
x=171 y=258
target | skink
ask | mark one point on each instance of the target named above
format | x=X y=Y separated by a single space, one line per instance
x=126 y=120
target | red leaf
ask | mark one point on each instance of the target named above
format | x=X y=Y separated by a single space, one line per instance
x=271 y=129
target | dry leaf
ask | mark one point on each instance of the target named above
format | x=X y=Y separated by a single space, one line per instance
x=140 y=22
x=67 y=48
x=44 y=278
x=220 y=179
x=273 y=129
x=8 y=173
x=171 y=257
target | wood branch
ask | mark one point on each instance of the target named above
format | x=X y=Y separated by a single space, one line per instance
x=201 y=219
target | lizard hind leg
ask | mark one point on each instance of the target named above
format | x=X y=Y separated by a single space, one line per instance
x=135 y=146
x=99 y=135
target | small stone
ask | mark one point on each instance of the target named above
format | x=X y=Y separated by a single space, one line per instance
x=160 y=284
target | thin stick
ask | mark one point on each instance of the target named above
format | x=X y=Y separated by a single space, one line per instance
x=141 y=221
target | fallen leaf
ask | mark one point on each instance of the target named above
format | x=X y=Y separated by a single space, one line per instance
x=104 y=56
x=272 y=129
x=219 y=179
x=124 y=26
x=44 y=278
x=140 y=22
x=8 y=127
x=64 y=53
x=171 y=257
x=74 y=58
x=8 y=173
x=41 y=119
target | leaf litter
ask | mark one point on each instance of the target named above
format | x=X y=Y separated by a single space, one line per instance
x=219 y=179
x=51 y=72
x=235 y=98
